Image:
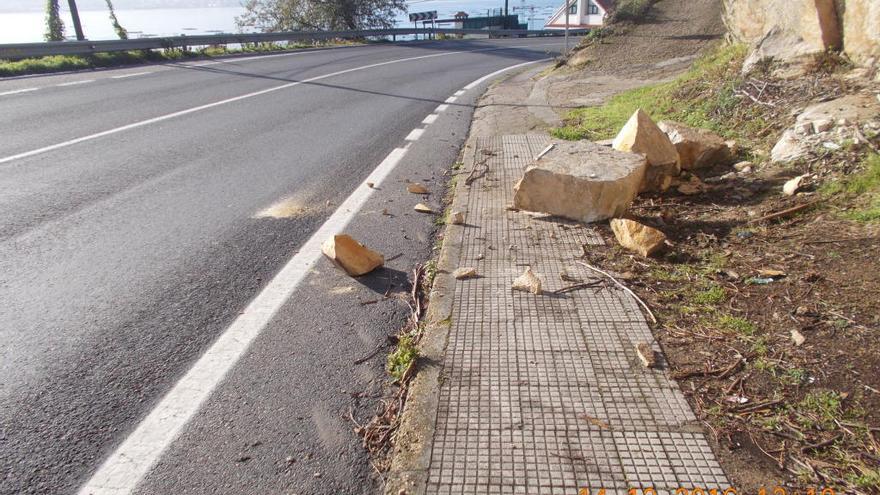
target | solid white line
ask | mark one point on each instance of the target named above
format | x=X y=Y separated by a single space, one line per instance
x=441 y=108
x=414 y=134
x=451 y=99
x=123 y=76
x=126 y=466
x=489 y=76
x=17 y=91
x=226 y=101
x=430 y=119
x=459 y=92
x=75 y=83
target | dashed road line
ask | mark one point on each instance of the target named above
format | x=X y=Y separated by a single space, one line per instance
x=125 y=76
x=414 y=134
x=18 y=91
x=75 y=83
x=441 y=108
x=430 y=119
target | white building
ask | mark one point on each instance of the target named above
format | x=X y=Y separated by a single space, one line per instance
x=582 y=14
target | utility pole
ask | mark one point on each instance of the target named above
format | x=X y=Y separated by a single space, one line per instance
x=506 y=26
x=567 y=8
x=76 y=24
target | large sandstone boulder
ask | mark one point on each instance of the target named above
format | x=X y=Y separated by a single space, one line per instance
x=641 y=135
x=351 y=256
x=697 y=148
x=637 y=237
x=581 y=181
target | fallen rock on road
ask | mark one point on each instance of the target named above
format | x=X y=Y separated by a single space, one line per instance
x=352 y=256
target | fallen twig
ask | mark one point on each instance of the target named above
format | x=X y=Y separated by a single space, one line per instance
x=583 y=285
x=785 y=212
x=625 y=288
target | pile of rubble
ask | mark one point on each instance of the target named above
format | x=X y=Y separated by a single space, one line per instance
x=589 y=182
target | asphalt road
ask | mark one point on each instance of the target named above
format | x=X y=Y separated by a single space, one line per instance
x=143 y=209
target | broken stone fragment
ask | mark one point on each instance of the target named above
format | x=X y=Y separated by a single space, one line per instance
x=416 y=188
x=797 y=338
x=464 y=272
x=792 y=186
x=423 y=208
x=528 y=282
x=581 y=181
x=637 y=237
x=740 y=166
x=646 y=355
x=697 y=148
x=693 y=186
x=456 y=218
x=641 y=135
x=351 y=256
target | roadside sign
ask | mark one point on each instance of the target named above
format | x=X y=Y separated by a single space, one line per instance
x=423 y=16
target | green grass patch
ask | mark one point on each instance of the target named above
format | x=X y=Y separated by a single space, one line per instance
x=703 y=97
x=822 y=406
x=631 y=10
x=737 y=325
x=864 y=187
x=62 y=63
x=711 y=296
x=402 y=358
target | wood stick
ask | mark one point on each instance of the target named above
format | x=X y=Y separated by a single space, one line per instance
x=785 y=212
x=625 y=288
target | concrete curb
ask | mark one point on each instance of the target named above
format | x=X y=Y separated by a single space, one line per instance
x=415 y=437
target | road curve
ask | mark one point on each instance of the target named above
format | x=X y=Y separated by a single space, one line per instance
x=143 y=209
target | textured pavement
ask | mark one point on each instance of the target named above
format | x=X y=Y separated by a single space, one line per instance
x=545 y=394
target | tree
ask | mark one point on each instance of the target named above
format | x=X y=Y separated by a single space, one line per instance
x=331 y=15
x=54 y=25
x=120 y=31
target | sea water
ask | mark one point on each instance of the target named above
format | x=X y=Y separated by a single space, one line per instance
x=25 y=27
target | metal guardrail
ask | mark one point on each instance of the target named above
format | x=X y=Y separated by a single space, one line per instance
x=26 y=50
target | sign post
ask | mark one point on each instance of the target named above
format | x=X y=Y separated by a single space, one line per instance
x=415 y=17
x=567 y=9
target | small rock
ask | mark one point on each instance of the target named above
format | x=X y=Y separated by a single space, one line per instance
x=771 y=273
x=385 y=212
x=416 y=188
x=793 y=186
x=423 y=208
x=351 y=255
x=464 y=272
x=528 y=282
x=740 y=166
x=828 y=145
x=823 y=125
x=745 y=171
x=637 y=237
x=804 y=128
x=456 y=218
x=802 y=311
x=317 y=474
x=371 y=185
x=646 y=355
x=798 y=338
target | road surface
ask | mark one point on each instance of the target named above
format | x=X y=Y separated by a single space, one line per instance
x=166 y=326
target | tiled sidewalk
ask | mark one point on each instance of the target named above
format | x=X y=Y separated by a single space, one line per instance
x=545 y=394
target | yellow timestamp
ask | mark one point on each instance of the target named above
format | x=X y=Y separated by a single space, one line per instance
x=776 y=490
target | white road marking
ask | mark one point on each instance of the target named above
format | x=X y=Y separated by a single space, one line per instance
x=124 y=76
x=126 y=466
x=459 y=92
x=451 y=99
x=17 y=91
x=430 y=119
x=441 y=108
x=414 y=134
x=75 y=83
x=199 y=108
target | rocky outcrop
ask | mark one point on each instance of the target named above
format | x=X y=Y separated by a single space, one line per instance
x=697 y=148
x=861 y=31
x=582 y=181
x=637 y=237
x=641 y=135
x=791 y=30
